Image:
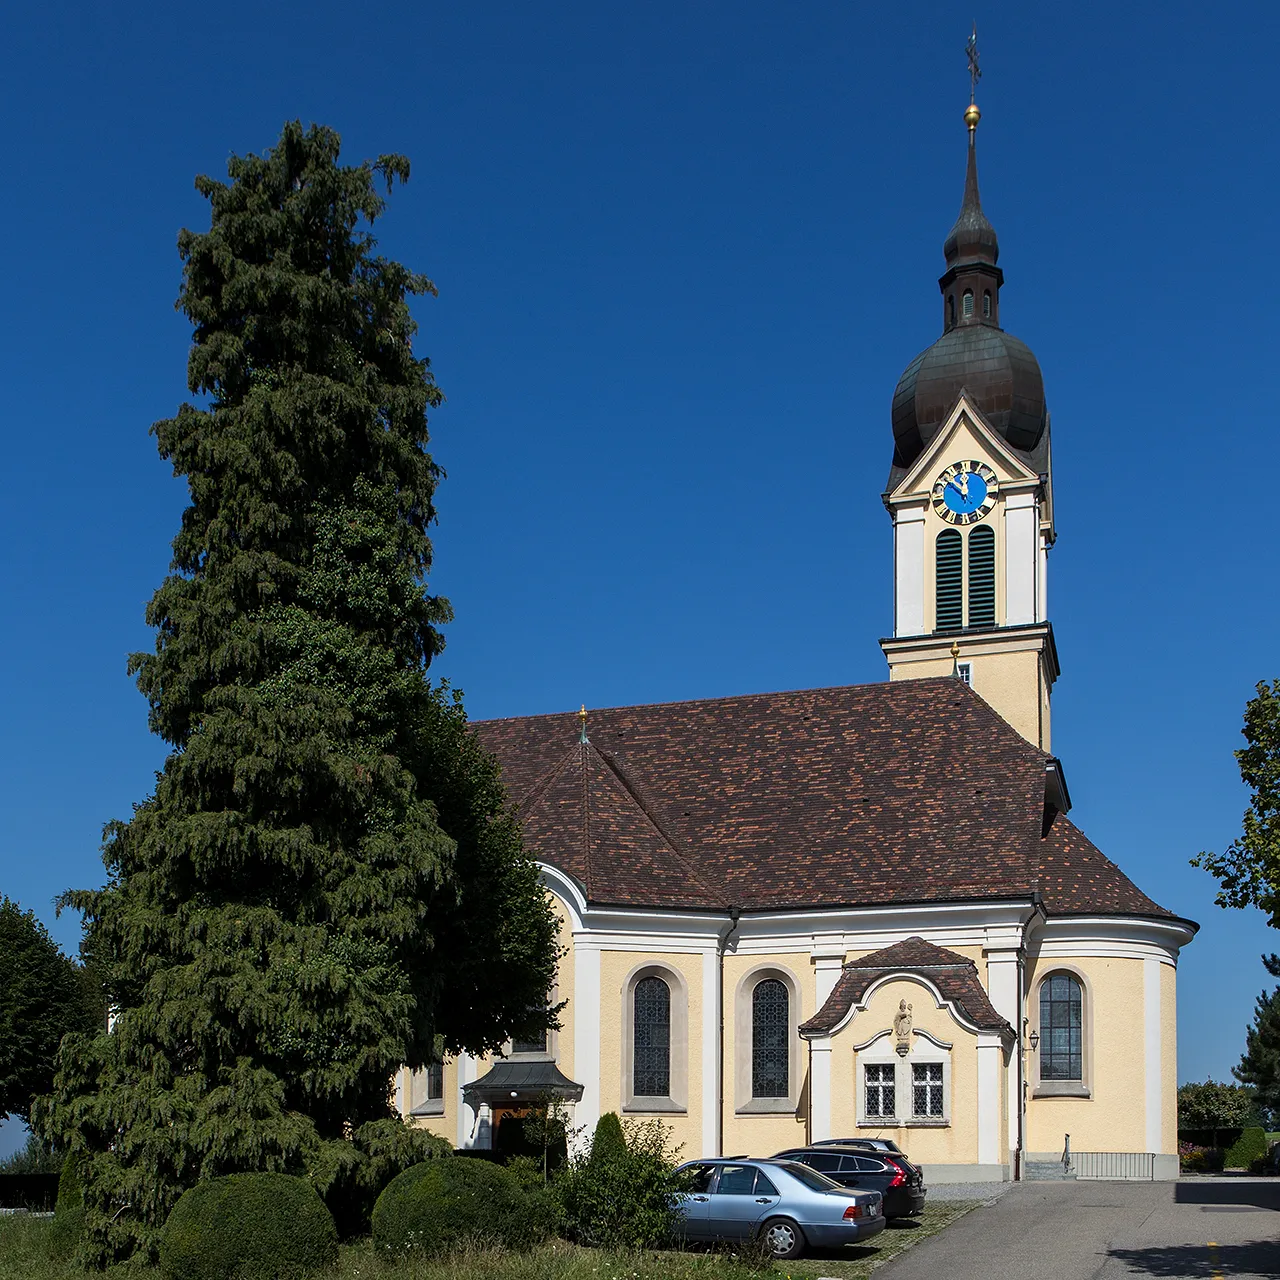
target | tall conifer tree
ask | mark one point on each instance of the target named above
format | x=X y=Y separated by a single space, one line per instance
x=1260 y=1063
x=326 y=882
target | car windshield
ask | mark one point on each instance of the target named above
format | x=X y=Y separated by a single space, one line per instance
x=811 y=1178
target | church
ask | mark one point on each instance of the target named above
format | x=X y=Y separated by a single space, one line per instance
x=859 y=911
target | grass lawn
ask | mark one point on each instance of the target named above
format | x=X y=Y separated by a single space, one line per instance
x=24 y=1255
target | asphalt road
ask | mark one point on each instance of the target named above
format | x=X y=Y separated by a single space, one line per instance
x=1204 y=1229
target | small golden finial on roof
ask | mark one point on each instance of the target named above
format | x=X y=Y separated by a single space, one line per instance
x=971 y=114
x=955 y=658
x=582 y=718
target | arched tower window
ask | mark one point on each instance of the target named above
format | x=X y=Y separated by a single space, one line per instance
x=1061 y=1028
x=651 y=1039
x=982 y=577
x=949 y=582
x=951 y=309
x=966 y=304
x=770 y=1040
x=986 y=304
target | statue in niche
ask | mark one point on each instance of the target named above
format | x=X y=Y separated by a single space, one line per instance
x=902 y=1028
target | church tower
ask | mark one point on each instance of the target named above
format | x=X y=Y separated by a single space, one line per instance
x=970 y=492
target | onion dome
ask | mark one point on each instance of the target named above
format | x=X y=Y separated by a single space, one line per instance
x=999 y=372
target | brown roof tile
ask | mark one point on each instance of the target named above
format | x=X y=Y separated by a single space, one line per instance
x=908 y=791
x=954 y=975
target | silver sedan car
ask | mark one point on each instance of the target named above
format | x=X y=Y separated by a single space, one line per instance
x=787 y=1204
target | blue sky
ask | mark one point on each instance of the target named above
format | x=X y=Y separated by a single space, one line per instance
x=684 y=251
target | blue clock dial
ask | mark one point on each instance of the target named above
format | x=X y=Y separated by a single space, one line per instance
x=965 y=492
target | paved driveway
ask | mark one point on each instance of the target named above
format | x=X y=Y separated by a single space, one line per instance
x=1205 y=1229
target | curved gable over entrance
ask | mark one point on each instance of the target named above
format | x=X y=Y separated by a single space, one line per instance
x=953 y=978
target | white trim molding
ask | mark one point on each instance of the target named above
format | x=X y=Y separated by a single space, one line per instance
x=585 y=1012
x=1153 y=1056
x=820 y=1089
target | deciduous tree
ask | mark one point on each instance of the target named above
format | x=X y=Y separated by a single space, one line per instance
x=1248 y=871
x=43 y=996
x=1215 y=1105
x=326 y=882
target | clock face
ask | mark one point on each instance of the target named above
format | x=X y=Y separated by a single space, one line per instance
x=965 y=492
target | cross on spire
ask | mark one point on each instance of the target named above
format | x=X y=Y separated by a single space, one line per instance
x=975 y=71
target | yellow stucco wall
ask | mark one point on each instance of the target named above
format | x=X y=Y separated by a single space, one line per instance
x=1113 y=1118
x=955 y=1144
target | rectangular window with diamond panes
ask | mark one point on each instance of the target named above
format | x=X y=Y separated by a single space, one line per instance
x=878 y=1085
x=926 y=1090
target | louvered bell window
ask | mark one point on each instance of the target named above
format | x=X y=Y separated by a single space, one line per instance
x=651 y=1039
x=982 y=577
x=949 y=552
x=966 y=304
x=770 y=1039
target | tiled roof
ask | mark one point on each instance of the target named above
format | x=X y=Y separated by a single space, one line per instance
x=1077 y=878
x=954 y=975
x=907 y=791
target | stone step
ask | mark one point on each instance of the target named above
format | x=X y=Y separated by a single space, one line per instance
x=1047 y=1171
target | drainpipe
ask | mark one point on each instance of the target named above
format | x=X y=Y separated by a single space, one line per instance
x=722 y=945
x=1037 y=909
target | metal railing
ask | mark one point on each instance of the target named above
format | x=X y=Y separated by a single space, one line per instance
x=1119 y=1166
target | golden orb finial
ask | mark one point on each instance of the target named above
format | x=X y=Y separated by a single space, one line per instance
x=972 y=115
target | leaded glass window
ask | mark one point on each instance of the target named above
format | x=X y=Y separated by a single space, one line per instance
x=770 y=1040
x=1061 y=1028
x=926 y=1090
x=879 y=1089
x=435 y=1081
x=651 y=1039
x=532 y=1044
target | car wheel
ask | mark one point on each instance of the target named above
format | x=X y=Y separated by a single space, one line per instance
x=783 y=1238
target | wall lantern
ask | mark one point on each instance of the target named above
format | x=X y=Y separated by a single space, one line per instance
x=1035 y=1040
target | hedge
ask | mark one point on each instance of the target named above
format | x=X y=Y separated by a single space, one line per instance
x=441 y=1204
x=248 y=1226
x=1251 y=1146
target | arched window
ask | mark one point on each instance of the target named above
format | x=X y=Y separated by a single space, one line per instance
x=651 y=1039
x=1061 y=1028
x=966 y=304
x=986 y=304
x=770 y=1040
x=951 y=309
x=982 y=577
x=949 y=581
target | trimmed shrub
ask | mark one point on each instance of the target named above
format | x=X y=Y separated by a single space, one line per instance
x=1251 y=1146
x=623 y=1198
x=68 y=1213
x=386 y=1148
x=608 y=1139
x=444 y=1204
x=248 y=1226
